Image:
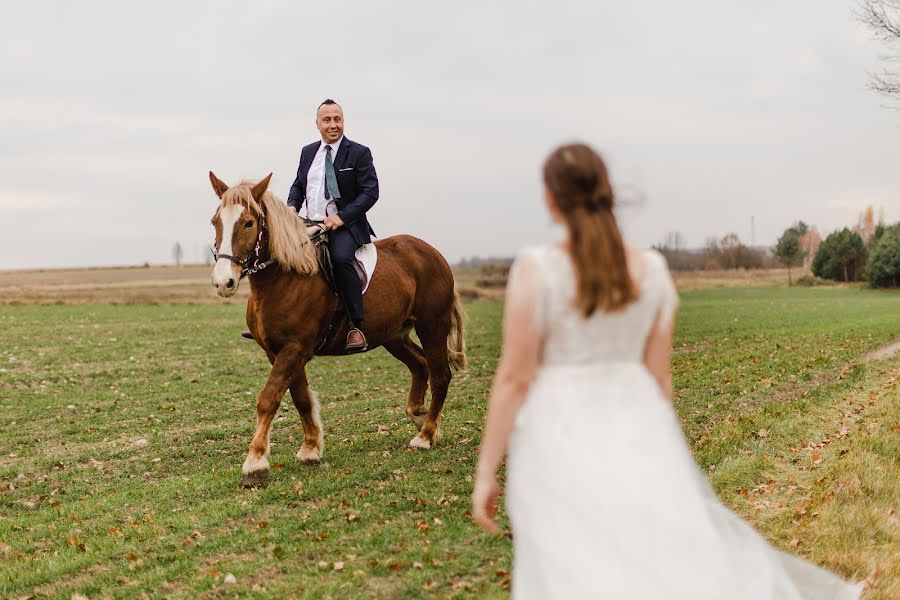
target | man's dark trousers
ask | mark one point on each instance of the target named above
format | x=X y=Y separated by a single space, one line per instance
x=343 y=258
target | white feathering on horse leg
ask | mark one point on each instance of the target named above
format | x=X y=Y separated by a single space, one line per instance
x=314 y=453
x=317 y=418
x=255 y=464
x=420 y=442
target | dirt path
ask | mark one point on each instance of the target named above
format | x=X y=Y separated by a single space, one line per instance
x=886 y=351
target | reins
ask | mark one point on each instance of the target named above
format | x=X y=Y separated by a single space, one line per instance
x=253 y=262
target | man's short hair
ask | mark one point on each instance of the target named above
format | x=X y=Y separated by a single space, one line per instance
x=327 y=102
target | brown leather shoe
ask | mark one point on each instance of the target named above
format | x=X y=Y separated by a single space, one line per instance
x=356 y=342
x=247 y=335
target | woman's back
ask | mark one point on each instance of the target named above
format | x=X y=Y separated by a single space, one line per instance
x=604 y=337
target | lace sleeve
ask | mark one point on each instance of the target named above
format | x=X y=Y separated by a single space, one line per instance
x=524 y=292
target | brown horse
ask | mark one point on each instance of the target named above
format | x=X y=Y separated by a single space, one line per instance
x=291 y=311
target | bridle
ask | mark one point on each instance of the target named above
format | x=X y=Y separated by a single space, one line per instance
x=253 y=262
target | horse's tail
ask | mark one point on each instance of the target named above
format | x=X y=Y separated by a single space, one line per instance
x=456 y=341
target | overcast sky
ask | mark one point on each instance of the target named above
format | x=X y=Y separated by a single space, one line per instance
x=711 y=112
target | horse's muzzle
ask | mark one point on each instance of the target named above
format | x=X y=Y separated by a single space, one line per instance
x=228 y=288
x=225 y=278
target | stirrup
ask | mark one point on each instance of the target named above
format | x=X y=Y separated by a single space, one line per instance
x=354 y=348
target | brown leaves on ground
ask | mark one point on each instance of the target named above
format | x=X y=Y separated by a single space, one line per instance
x=76 y=543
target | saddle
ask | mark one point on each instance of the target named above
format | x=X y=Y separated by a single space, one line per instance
x=323 y=257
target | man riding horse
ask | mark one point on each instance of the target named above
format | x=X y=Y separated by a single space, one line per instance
x=291 y=312
x=336 y=184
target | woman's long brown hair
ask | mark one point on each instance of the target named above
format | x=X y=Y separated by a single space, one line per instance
x=578 y=182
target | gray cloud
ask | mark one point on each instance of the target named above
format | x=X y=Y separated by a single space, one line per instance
x=112 y=113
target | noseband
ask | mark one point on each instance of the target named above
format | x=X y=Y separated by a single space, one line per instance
x=252 y=263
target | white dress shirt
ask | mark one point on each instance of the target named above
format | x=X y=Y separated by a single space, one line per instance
x=317 y=207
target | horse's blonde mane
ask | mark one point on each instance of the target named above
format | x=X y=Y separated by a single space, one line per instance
x=289 y=244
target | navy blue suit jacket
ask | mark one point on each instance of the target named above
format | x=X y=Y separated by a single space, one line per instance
x=356 y=179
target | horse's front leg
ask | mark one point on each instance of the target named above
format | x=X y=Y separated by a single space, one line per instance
x=284 y=370
x=307 y=403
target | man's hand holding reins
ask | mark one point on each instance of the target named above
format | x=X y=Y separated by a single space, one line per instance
x=333 y=222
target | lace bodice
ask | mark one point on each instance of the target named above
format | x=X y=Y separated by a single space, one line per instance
x=603 y=337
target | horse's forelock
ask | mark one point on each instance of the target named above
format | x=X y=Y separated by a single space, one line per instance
x=241 y=193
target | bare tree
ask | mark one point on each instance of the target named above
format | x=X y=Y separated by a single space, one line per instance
x=177 y=253
x=675 y=252
x=882 y=17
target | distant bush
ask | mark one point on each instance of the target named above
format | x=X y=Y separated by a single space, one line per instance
x=841 y=257
x=883 y=268
x=811 y=281
x=493 y=275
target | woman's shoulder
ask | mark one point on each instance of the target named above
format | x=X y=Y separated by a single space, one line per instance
x=655 y=259
x=656 y=265
x=534 y=253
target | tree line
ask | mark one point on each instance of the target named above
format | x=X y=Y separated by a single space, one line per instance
x=870 y=252
x=727 y=252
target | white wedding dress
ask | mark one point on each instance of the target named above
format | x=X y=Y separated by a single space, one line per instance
x=604 y=497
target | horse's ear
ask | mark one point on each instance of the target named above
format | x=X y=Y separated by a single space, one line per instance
x=219 y=186
x=260 y=188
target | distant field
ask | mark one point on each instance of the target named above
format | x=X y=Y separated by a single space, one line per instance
x=125 y=285
x=124 y=428
x=191 y=284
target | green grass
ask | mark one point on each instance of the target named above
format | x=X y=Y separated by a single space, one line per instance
x=86 y=506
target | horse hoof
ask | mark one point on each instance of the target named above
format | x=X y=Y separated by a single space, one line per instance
x=309 y=455
x=255 y=479
x=420 y=443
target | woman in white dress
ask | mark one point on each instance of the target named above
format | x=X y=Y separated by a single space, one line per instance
x=603 y=495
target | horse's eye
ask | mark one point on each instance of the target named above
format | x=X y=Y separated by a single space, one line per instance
x=248 y=224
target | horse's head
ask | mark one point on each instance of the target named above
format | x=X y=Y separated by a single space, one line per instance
x=237 y=223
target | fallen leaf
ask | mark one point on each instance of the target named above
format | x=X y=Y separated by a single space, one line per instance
x=763 y=433
x=339 y=566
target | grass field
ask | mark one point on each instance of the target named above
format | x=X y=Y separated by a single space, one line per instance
x=124 y=429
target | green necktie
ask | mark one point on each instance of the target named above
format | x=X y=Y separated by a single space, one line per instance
x=331 y=186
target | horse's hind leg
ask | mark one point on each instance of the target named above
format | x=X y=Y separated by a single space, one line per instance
x=307 y=403
x=437 y=356
x=409 y=353
x=256 y=467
